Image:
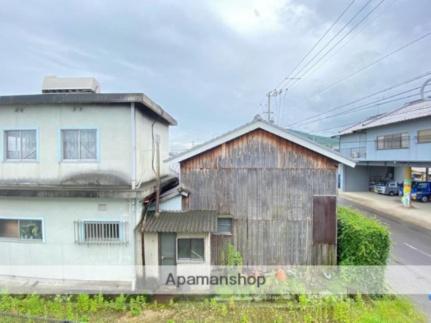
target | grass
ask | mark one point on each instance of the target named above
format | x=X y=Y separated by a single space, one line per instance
x=84 y=308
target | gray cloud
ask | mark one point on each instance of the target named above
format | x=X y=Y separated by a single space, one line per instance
x=210 y=63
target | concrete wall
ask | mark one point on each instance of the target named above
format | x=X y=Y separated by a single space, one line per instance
x=357 y=179
x=64 y=258
x=171 y=204
x=368 y=137
x=113 y=124
x=144 y=140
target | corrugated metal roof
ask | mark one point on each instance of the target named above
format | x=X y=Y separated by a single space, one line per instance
x=88 y=98
x=185 y=222
x=259 y=123
x=411 y=111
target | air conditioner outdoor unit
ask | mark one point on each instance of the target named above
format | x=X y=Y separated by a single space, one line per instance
x=54 y=84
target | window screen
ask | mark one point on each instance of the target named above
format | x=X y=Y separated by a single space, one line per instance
x=20 y=144
x=191 y=249
x=79 y=144
x=424 y=136
x=224 y=225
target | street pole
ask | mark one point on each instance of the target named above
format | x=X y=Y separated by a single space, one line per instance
x=407 y=187
x=269 y=106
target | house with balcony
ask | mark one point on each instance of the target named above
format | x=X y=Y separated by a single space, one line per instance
x=75 y=167
x=385 y=144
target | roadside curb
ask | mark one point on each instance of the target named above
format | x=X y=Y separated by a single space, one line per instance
x=394 y=215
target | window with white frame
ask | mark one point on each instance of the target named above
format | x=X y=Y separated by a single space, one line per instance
x=191 y=249
x=20 y=144
x=94 y=232
x=21 y=229
x=393 y=141
x=79 y=144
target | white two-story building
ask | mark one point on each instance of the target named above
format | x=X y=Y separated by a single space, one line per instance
x=75 y=166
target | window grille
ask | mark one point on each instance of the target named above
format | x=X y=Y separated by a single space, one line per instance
x=100 y=232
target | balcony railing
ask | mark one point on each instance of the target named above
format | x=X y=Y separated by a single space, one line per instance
x=355 y=152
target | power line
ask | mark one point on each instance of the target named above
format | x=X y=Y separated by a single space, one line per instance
x=356 y=34
x=340 y=40
x=360 y=70
x=369 y=105
x=298 y=74
x=357 y=122
x=317 y=43
x=415 y=78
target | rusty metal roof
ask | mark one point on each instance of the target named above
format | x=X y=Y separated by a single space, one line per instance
x=185 y=222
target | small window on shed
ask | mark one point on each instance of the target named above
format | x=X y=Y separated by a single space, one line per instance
x=224 y=225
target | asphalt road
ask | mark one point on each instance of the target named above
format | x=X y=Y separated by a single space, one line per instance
x=411 y=245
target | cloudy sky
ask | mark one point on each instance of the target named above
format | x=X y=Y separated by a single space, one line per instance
x=210 y=63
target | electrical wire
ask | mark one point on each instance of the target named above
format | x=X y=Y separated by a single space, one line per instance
x=300 y=75
x=316 y=44
x=415 y=78
x=360 y=70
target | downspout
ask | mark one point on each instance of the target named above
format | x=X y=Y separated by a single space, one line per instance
x=133 y=134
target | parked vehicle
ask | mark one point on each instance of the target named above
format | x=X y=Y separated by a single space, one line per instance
x=422 y=192
x=401 y=187
x=387 y=188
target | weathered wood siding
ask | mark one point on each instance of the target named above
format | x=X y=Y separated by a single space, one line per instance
x=267 y=184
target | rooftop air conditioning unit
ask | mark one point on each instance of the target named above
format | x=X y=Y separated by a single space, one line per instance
x=54 y=84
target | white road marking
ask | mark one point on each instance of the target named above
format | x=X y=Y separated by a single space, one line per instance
x=418 y=250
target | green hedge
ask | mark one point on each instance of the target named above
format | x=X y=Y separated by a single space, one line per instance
x=361 y=241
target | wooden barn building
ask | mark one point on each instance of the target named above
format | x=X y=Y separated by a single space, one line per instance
x=273 y=194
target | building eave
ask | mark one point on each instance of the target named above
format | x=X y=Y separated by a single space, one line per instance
x=89 y=98
x=271 y=128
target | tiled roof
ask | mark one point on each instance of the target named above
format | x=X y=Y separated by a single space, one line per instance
x=411 y=111
x=186 y=222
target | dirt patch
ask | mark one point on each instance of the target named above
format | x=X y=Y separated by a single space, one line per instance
x=149 y=316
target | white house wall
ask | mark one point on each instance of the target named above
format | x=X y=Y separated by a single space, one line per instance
x=112 y=124
x=145 y=146
x=64 y=258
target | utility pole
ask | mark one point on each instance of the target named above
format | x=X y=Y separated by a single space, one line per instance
x=157 y=213
x=268 y=107
x=268 y=111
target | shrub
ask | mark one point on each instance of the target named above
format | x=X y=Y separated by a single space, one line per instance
x=233 y=256
x=361 y=241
